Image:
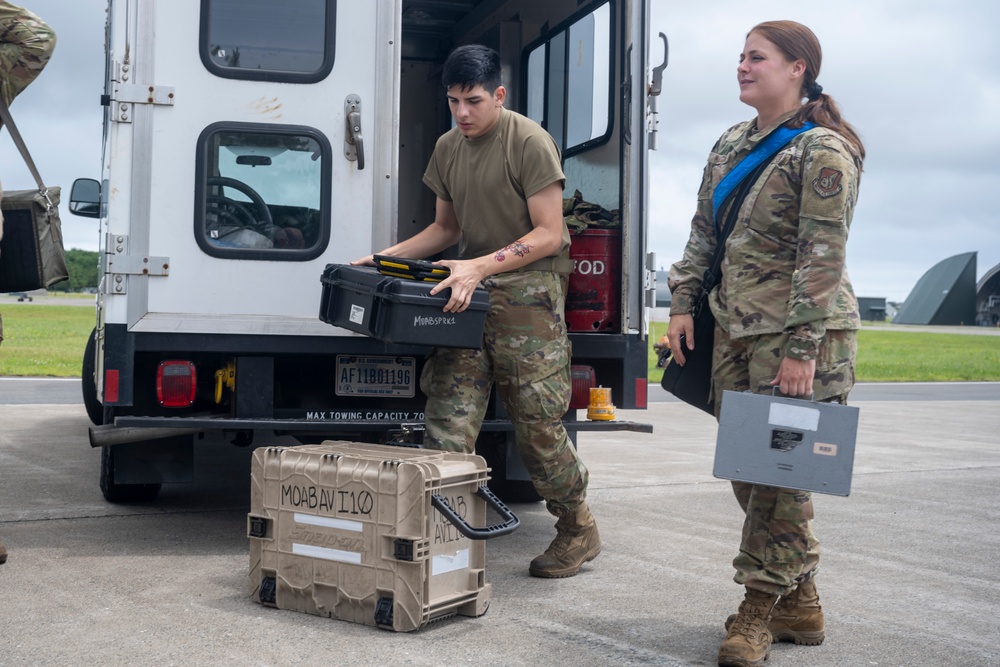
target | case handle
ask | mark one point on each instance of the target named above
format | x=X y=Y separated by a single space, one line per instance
x=511 y=522
x=774 y=394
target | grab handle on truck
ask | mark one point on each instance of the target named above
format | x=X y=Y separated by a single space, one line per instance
x=354 y=143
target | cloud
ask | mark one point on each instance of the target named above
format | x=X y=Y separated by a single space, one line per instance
x=917 y=78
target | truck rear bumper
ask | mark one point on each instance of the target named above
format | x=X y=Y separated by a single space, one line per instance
x=129 y=429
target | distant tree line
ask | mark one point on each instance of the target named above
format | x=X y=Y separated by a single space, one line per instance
x=83 y=271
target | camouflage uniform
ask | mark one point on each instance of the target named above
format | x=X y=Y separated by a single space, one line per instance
x=26 y=44
x=784 y=291
x=526 y=351
x=778 y=549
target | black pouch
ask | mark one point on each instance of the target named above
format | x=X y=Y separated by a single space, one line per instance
x=692 y=382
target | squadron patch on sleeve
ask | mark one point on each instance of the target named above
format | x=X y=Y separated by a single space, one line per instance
x=827 y=184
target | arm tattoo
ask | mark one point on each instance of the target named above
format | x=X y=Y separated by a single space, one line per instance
x=518 y=248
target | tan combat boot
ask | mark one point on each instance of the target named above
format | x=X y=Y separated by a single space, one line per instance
x=3 y=553
x=576 y=543
x=798 y=617
x=748 y=642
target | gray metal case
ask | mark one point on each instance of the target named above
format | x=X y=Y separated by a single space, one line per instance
x=786 y=442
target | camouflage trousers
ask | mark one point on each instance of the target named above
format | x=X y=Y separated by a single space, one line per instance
x=778 y=549
x=26 y=44
x=1 y=258
x=526 y=354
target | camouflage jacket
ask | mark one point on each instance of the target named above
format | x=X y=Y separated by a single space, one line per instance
x=26 y=44
x=784 y=265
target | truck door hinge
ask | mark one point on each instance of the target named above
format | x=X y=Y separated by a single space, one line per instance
x=124 y=94
x=118 y=264
x=649 y=284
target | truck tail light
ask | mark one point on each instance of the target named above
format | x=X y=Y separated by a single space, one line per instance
x=176 y=381
x=583 y=379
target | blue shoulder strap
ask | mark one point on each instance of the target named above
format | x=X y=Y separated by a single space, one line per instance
x=765 y=150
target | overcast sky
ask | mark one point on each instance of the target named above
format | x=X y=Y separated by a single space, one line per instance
x=919 y=79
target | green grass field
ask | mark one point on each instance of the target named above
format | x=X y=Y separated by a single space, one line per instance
x=44 y=340
x=888 y=355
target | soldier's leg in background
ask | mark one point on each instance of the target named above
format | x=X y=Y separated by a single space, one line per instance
x=526 y=337
x=532 y=358
x=1 y=259
x=778 y=544
x=730 y=372
x=779 y=548
x=3 y=548
x=457 y=385
x=557 y=472
x=26 y=48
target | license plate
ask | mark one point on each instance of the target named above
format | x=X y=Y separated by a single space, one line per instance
x=375 y=376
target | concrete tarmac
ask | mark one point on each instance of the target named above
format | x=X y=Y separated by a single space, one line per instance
x=908 y=574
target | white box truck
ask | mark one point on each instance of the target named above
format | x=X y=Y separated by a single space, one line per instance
x=248 y=144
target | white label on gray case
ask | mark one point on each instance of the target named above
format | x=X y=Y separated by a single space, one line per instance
x=792 y=416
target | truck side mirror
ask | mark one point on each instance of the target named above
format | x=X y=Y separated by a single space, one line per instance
x=85 y=198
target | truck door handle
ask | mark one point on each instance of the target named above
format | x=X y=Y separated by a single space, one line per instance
x=354 y=143
x=655 y=88
x=657 y=85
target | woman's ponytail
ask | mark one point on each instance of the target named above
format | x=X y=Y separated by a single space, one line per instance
x=797 y=42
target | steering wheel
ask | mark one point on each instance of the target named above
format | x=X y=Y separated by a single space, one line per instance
x=234 y=210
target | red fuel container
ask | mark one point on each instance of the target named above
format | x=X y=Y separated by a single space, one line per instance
x=593 y=303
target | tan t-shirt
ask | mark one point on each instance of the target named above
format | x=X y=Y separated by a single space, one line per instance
x=489 y=180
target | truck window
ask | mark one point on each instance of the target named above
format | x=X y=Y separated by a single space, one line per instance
x=262 y=192
x=291 y=41
x=568 y=81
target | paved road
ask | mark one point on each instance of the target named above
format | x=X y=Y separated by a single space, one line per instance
x=43 y=298
x=908 y=577
x=40 y=391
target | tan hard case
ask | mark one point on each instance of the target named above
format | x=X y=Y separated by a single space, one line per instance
x=354 y=532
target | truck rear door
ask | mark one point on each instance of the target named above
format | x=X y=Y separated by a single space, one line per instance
x=254 y=158
x=585 y=82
